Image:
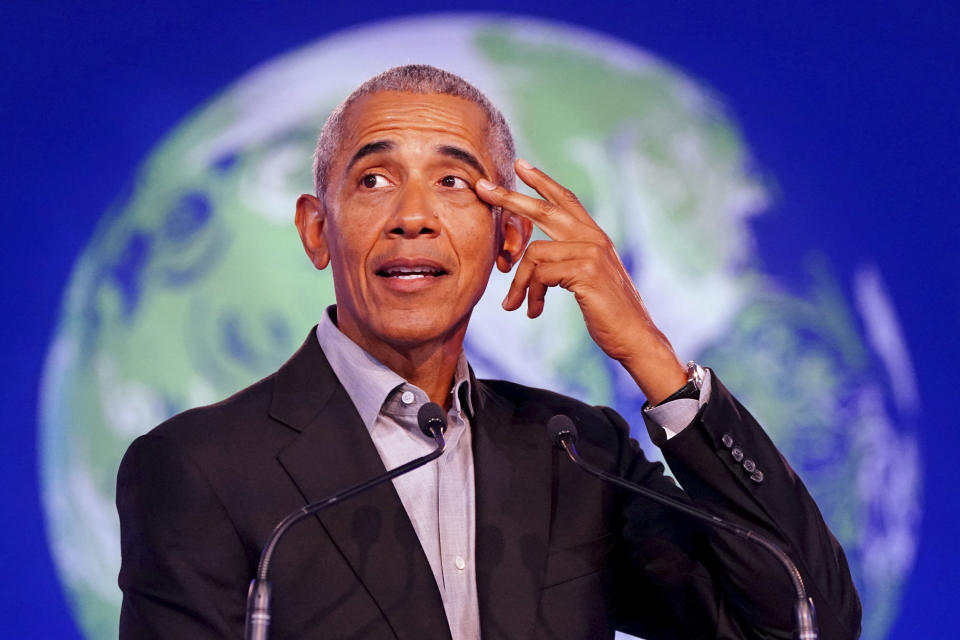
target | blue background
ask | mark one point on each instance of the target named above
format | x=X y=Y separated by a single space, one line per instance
x=853 y=109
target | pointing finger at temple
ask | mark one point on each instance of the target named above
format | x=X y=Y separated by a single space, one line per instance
x=583 y=260
x=552 y=191
x=556 y=221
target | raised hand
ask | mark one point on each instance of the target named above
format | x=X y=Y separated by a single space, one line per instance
x=582 y=259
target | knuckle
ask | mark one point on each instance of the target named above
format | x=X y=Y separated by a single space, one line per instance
x=569 y=196
x=537 y=278
x=536 y=248
x=601 y=239
x=546 y=208
x=595 y=253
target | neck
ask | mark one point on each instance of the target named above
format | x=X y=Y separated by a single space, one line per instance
x=429 y=365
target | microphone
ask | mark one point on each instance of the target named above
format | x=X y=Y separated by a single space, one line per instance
x=564 y=434
x=432 y=421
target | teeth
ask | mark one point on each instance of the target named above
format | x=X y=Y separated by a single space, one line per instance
x=409 y=273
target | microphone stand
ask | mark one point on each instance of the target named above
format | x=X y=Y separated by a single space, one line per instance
x=257 y=625
x=565 y=435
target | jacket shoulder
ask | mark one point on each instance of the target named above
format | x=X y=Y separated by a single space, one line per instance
x=216 y=420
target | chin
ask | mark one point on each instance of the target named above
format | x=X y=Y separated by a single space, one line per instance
x=412 y=327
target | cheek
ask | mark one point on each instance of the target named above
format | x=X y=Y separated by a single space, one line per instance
x=476 y=245
x=349 y=247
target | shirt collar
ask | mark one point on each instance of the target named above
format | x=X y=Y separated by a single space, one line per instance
x=368 y=381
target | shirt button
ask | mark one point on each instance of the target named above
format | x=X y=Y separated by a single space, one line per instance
x=727 y=440
x=749 y=465
x=460 y=563
x=407 y=397
x=737 y=453
x=757 y=476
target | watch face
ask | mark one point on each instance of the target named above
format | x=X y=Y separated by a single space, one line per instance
x=695 y=374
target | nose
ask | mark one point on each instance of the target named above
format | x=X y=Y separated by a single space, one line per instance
x=413 y=216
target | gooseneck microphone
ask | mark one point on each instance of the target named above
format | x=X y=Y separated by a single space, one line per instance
x=564 y=435
x=432 y=421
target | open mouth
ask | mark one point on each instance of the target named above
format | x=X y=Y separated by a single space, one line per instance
x=411 y=273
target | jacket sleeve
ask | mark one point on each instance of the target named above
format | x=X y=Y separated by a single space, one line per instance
x=183 y=565
x=728 y=466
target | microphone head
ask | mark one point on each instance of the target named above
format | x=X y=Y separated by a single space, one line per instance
x=560 y=426
x=432 y=418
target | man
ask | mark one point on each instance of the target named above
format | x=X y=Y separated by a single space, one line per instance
x=502 y=537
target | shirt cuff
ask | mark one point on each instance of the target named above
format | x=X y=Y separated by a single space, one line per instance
x=674 y=416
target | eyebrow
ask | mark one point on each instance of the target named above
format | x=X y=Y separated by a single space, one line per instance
x=370 y=148
x=462 y=154
x=450 y=151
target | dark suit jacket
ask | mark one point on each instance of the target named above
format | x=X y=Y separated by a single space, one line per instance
x=559 y=554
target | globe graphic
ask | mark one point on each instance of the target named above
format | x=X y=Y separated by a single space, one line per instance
x=195 y=284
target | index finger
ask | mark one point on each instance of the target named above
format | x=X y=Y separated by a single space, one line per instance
x=557 y=222
x=551 y=190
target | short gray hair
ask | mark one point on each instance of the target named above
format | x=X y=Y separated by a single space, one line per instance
x=417 y=78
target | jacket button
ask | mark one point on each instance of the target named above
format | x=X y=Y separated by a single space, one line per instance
x=757 y=476
x=727 y=440
x=749 y=465
x=737 y=453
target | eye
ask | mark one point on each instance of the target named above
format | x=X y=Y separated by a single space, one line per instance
x=454 y=182
x=373 y=180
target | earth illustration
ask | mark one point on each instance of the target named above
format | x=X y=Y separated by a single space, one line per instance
x=195 y=284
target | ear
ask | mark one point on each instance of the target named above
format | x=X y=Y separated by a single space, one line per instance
x=515 y=231
x=311 y=216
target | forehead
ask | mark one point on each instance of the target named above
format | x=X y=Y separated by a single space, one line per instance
x=428 y=118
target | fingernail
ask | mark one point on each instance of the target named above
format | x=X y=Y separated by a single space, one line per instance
x=504 y=303
x=523 y=163
x=486 y=184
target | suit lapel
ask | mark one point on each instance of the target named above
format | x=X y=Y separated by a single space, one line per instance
x=512 y=461
x=371 y=530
